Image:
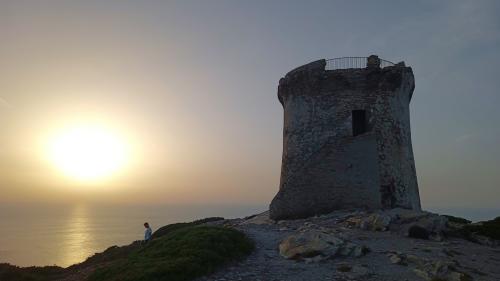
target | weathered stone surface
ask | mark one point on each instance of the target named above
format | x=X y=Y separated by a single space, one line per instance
x=352 y=271
x=325 y=167
x=394 y=256
x=440 y=270
x=262 y=218
x=376 y=222
x=306 y=245
x=435 y=225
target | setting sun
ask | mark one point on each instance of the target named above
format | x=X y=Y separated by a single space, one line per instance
x=88 y=153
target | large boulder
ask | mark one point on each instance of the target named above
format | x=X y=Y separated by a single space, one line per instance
x=376 y=222
x=306 y=245
x=434 y=225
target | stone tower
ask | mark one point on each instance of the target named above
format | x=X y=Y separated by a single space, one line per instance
x=346 y=138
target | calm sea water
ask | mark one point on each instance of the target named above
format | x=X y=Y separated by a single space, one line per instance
x=64 y=235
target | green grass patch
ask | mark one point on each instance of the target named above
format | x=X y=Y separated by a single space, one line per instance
x=179 y=255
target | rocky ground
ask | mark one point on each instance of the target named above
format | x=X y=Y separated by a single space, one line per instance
x=358 y=245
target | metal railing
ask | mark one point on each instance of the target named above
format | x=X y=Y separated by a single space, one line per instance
x=352 y=62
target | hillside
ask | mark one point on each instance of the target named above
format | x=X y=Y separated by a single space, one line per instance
x=344 y=245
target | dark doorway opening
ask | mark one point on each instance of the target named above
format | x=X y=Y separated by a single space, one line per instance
x=359 y=122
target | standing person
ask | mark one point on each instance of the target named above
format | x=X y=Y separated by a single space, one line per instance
x=148 y=233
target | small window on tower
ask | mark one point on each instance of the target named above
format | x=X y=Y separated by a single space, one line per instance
x=359 y=122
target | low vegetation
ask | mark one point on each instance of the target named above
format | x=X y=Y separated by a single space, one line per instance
x=458 y=220
x=32 y=273
x=177 y=252
x=180 y=255
x=172 y=227
x=490 y=229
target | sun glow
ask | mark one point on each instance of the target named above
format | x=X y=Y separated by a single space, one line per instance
x=88 y=153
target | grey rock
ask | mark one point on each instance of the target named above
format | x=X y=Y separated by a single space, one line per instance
x=313 y=243
x=376 y=222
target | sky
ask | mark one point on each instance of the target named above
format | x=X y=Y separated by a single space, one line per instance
x=191 y=87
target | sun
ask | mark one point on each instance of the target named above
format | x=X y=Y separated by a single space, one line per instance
x=88 y=152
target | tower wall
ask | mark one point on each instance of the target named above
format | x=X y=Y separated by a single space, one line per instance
x=324 y=166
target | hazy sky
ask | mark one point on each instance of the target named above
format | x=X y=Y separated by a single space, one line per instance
x=191 y=85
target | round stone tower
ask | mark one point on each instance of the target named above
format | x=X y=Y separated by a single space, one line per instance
x=346 y=138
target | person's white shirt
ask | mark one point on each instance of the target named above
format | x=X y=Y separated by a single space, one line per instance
x=148 y=233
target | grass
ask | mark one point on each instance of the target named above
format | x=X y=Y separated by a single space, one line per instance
x=175 y=226
x=179 y=255
x=458 y=220
x=32 y=273
x=180 y=251
x=115 y=253
x=489 y=229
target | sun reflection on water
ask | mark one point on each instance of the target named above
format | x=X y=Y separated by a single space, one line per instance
x=78 y=238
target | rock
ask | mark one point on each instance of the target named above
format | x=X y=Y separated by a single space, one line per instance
x=414 y=259
x=483 y=240
x=360 y=270
x=262 y=218
x=403 y=216
x=440 y=270
x=352 y=272
x=422 y=274
x=395 y=258
x=309 y=244
x=418 y=232
x=353 y=222
x=398 y=258
x=429 y=227
x=376 y=222
x=435 y=225
x=314 y=259
x=314 y=243
x=352 y=250
x=343 y=267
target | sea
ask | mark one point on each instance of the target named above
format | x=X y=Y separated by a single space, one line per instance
x=66 y=234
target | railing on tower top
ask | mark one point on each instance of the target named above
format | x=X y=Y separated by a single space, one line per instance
x=352 y=62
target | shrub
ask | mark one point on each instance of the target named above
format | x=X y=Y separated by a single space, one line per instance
x=457 y=219
x=115 y=257
x=175 y=226
x=419 y=232
x=489 y=229
x=179 y=255
x=32 y=273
